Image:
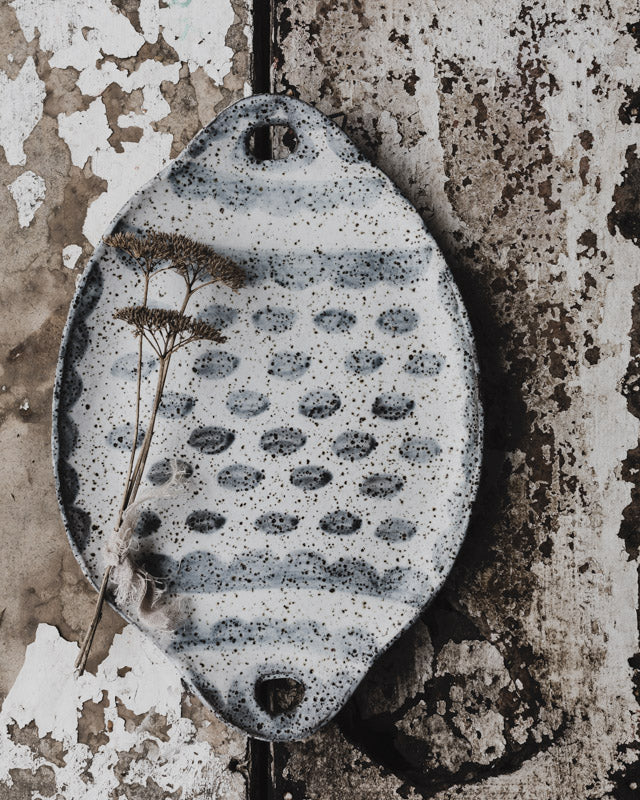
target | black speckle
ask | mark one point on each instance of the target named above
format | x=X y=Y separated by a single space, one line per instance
x=354 y=445
x=148 y=523
x=392 y=406
x=246 y=403
x=239 y=477
x=162 y=471
x=215 y=364
x=319 y=404
x=205 y=521
x=219 y=316
x=427 y=364
x=289 y=366
x=363 y=362
x=211 y=440
x=282 y=441
x=310 y=478
x=396 y=321
x=335 y=320
x=395 y=530
x=276 y=522
x=419 y=449
x=175 y=404
x=122 y=437
x=127 y=367
x=340 y=523
x=274 y=320
x=381 y=486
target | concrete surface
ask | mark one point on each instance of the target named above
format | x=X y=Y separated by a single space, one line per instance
x=514 y=128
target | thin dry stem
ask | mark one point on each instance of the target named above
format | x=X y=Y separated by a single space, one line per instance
x=166 y=331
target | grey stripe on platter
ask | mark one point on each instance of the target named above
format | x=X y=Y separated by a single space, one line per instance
x=201 y=571
x=236 y=634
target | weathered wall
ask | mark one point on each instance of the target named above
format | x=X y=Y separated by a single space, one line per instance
x=513 y=128
x=95 y=98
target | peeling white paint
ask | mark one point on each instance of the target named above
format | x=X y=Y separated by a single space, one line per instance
x=70 y=255
x=85 y=131
x=198 y=34
x=28 y=192
x=60 y=28
x=125 y=173
x=48 y=693
x=21 y=101
x=80 y=34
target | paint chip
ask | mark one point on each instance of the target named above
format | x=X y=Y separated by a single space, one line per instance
x=28 y=192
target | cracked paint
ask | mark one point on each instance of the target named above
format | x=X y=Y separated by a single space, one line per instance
x=21 y=101
x=97 y=96
x=28 y=192
x=119 y=730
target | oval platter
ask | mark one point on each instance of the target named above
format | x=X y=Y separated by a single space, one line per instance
x=333 y=442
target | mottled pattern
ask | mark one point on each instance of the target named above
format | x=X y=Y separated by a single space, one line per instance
x=512 y=127
x=310 y=450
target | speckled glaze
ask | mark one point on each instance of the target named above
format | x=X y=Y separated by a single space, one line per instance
x=333 y=442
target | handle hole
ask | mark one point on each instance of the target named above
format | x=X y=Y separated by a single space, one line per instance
x=278 y=695
x=271 y=142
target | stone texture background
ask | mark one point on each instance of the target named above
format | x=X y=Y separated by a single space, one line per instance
x=514 y=128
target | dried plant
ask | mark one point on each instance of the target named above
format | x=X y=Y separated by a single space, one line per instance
x=165 y=330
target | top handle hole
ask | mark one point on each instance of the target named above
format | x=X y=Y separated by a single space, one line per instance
x=271 y=142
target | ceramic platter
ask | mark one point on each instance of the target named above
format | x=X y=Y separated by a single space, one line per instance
x=333 y=441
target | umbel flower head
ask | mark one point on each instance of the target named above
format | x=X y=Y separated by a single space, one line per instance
x=193 y=260
x=167 y=330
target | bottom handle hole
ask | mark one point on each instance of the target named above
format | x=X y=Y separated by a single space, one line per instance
x=279 y=695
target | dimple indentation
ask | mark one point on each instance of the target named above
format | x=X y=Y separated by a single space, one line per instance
x=289 y=366
x=247 y=403
x=354 y=445
x=276 y=522
x=381 y=485
x=340 y=523
x=215 y=364
x=211 y=439
x=423 y=364
x=147 y=524
x=363 y=362
x=282 y=441
x=395 y=529
x=162 y=471
x=396 y=321
x=319 y=404
x=205 y=521
x=219 y=316
x=176 y=404
x=392 y=406
x=310 y=478
x=335 y=320
x=419 y=449
x=239 y=477
x=127 y=367
x=273 y=319
x=121 y=437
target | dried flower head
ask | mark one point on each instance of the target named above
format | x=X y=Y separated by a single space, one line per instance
x=167 y=330
x=148 y=250
x=193 y=260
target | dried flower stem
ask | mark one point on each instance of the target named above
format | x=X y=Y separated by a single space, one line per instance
x=166 y=331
